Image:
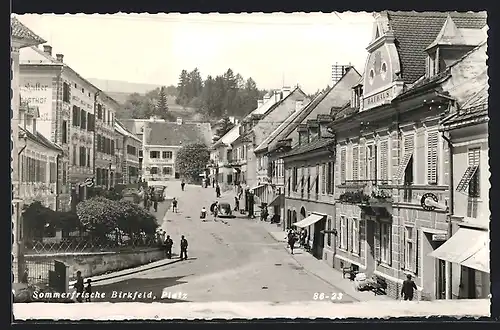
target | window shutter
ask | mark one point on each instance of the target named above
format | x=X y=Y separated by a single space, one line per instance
x=373 y=162
x=402 y=250
x=355 y=163
x=362 y=161
x=409 y=144
x=389 y=238
x=349 y=234
x=432 y=150
x=338 y=226
x=474 y=155
x=343 y=161
x=377 y=241
x=384 y=160
x=332 y=177
x=415 y=240
x=323 y=179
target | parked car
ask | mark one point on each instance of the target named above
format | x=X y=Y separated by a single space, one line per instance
x=225 y=210
x=159 y=193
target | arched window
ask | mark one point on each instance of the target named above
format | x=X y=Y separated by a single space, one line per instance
x=303 y=213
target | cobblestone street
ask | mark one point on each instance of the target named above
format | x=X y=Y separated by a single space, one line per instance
x=233 y=259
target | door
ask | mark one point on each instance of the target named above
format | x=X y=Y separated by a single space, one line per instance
x=471 y=283
x=370 y=246
x=441 y=279
x=319 y=238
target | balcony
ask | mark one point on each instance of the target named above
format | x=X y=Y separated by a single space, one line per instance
x=375 y=193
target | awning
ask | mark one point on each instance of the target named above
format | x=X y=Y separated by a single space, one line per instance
x=479 y=260
x=257 y=187
x=278 y=200
x=313 y=218
x=465 y=246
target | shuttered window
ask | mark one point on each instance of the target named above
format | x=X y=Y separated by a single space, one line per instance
x=432 y=157
x=474 y=185
x=377 y=241
x=323 y=179
x=343 y=232
x=332 y=177
x=355 y=163
x=329 y=236
x=343 y=161
x=362 y=161
x=384 y=160
x=408 y=147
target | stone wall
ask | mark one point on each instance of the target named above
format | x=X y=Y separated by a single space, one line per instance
x=93 y=264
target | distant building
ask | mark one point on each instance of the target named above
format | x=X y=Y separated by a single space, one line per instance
x=127 y=150
x=161 y=142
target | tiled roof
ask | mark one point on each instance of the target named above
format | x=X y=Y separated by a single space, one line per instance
x=414 y=32
x=21 y=31
x=38 y=137
x=123 y=131
x=318 y=144
x=346 y=111
x=173 y=134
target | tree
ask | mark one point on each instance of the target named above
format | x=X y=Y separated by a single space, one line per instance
x=162 y=106
x=99 y=216
x=182 y=88
x=192 y=160
x=225 y=126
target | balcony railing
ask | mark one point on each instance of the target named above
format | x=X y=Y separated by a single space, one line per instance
x=372 y=192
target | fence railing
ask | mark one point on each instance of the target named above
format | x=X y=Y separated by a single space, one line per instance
x=33 y=272
x=79 y=244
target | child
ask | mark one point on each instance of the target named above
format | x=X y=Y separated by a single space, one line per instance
x=88 y=290
x=174 y=205
x=203 y=214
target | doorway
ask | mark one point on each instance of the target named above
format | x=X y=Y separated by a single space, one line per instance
x=370 y=246
x=319 y=238
x=441 y=279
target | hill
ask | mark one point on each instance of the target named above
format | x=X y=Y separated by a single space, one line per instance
x=116 y=86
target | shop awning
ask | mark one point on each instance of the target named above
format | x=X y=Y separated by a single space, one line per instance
x=463 y=245
x=278 y=200
x=313 y=218
x=479 y=260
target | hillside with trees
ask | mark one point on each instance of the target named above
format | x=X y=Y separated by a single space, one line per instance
x=228 y=94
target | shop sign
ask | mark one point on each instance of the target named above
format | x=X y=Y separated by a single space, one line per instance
x=439 y=237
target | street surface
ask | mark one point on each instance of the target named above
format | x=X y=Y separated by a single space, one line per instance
x=234 y=260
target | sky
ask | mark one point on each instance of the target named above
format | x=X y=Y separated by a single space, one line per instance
x=273 y=49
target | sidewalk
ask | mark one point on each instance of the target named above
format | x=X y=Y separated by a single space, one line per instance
x=320 y=269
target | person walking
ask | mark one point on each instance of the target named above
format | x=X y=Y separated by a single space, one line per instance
x=184 y=246
x=79 y=286
x=155 y=203
x=217 y=190
x=174 y=205
x=408 y=288
x=203 y=213
x=183 y=183
x=168 y=246
x=216 y=210
x=88 y=290
x=236 y=203
x=291 y=242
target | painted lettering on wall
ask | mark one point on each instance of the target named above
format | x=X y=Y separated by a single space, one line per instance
x=38 y=93
x=378 y=99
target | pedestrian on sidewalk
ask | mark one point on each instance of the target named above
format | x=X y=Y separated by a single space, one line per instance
x=183 y=183
x=174 y=205
x=203 y=213
x=408 y=288
x=184 y=246
x=303 y=236
x=168 y=246
x=88 y=290
x=79 y=286
x=155 y=204
x=291 y=242
x=217 y=190
x=216 y=210
x=236 y=203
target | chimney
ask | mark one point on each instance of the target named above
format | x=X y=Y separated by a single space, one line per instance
x=47 y=49
x=260 y=103
x=286 y=91
x=179 y=121
x=277 y=96
x=59 y=57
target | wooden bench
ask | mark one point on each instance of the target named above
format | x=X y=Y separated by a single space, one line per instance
x=379 y=285
x=352 y=270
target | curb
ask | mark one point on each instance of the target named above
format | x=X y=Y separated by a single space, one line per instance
x=131 y=272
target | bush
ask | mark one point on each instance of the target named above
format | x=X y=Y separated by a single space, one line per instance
x=135 y=219
x=35 y=218
x=99 y=216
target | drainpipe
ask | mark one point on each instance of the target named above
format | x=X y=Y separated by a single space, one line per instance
x=448 y=269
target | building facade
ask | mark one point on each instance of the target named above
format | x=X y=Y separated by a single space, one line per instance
x=127 y=149
x=161 y=143
x=21 y=37
x=106 y=162
x=390 y=156
x=224 y=166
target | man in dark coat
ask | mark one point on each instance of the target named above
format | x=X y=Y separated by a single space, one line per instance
x=291 y=242
x=184 y=246
x=408 y=288
x=168 y=246
x=217 y=190
x=79 y=286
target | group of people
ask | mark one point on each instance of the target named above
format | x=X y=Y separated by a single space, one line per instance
x=293 y=236
x=169 y=243
x=150 y=198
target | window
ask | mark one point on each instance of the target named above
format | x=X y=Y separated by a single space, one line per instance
x=88 y=157
x=405 y=168
x=385 y=245
x=74 y=155
x=64 y=132
x=83 y=119
x=343 y=164
x=131 y=150
x=343 y=232
x=154 y=154
x=140 y=153
x=384 y=160
x=409 y=249
x=112 y=147
x=323 y=179
x=294 y=178
x=76 y=116
x=103 y=114
x=355 y=163
x=167 y=170
x=329 y=236
x=154 y=170
x=52 y=173
x=83 y=156
x=99 y=111
x=66 y=92
x=355 y=236
x=90 y=122
x=474 y=184
x=316 y=182
x=168 y=155
x=329 y=180
x=98 y=142
x=432 y=157
x=370 y=168
x=83 y=90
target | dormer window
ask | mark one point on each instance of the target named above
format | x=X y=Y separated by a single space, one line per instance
x=357 y=95
x=431 y=64
x=383 y=70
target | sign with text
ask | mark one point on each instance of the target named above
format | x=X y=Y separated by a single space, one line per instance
x=378 y=99
x=37 y=92
x=439 y=237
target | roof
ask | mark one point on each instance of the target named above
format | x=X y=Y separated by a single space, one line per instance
x=414 y=32
x=450 y=34
x=123 y=131
x=476 y=107
x=38 y=137
x=230 y=136
x=173 y=134
x=318 y=144
x=21 y=31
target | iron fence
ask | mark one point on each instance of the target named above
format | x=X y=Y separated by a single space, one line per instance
x=79 y=244
x=33 y=272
